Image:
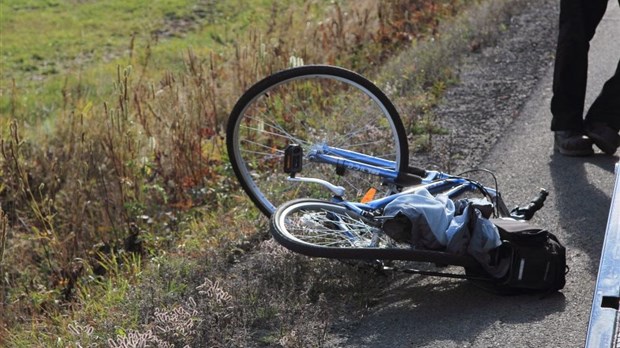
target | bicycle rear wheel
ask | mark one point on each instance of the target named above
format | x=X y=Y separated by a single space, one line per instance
x=311 y=106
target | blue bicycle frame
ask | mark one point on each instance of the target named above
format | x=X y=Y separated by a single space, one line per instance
x=354 y=160
x=435 y=182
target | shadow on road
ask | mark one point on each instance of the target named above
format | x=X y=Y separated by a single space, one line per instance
x=411 y=310
x=582 y=206
x=409 y=314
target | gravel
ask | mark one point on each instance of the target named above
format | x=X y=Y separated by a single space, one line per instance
x=494 y=84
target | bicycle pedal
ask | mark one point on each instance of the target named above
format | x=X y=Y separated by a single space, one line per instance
x=293 y=159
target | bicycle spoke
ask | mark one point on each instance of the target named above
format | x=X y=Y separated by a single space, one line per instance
x=284 y=134
x=310 y=107
x=314 y=227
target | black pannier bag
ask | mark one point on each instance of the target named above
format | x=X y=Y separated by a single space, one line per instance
x=537 y=258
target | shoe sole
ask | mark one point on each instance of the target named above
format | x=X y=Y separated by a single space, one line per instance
x=602 y=143
x=572 y=153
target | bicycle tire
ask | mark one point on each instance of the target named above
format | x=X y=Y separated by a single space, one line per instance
x=311 y=105
x=304 y=226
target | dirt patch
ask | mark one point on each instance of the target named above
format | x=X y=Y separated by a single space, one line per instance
x=204 y=11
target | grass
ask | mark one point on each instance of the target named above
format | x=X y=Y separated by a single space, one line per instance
x=121 y=218
x=56 y=42
x=55 y=49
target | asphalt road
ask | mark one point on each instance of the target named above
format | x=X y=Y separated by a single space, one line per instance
x=438 y=312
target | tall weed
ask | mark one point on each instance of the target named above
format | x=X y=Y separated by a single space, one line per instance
x=135 y=172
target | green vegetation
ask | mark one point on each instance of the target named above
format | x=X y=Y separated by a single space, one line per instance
x=120 y=216
x=52 y=50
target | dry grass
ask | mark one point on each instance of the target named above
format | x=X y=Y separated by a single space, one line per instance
x=123 y=223
x=272 y=297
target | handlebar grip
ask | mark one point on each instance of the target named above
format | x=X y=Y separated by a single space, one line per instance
x=528 y=211
x=539 y=201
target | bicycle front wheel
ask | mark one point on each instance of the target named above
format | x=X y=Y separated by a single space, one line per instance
x=324 y=229
x=311 y=106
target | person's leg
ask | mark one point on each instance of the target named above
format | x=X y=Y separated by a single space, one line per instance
x=578 y=22
x=603 y=118
x=606 y=107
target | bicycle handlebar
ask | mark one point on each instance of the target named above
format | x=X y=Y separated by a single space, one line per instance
x=528 y=211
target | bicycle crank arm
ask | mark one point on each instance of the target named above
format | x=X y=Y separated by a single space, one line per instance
x=336 y=190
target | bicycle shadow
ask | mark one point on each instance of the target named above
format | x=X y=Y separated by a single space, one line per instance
x=581 y=205
x=420 y=312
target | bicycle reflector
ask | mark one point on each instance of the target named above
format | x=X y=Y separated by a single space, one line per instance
x=369 y=196
x=293 y=159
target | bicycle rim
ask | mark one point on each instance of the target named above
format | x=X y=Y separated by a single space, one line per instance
x=324 y=229
x=311 y=106
x=311 y=226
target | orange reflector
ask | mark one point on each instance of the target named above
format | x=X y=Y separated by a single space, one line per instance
x=370 y=195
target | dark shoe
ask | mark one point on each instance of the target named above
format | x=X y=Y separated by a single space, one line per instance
x=571 y=143
x=604 y=137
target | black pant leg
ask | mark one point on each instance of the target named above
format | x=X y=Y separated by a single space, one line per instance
x=578 y=22
x=606 y=107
